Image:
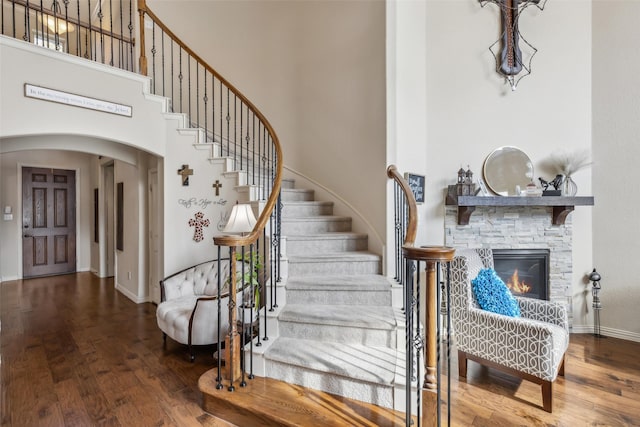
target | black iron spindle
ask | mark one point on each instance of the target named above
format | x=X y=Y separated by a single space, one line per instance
x=228 y=124
x=162 y=55
x=153 y=56
x=27 y=23
x=205 y=99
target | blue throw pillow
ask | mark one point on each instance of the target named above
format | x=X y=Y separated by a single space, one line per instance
x=493 y=295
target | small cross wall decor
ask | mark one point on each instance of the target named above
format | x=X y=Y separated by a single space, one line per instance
x=198 y=222
x=217 y=185
x=184 y=171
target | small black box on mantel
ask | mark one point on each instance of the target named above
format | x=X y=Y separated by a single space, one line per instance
x=551 y=193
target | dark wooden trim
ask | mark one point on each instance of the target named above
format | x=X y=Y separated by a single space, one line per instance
x=120 y=216
x=562 y=206
x=96 y=216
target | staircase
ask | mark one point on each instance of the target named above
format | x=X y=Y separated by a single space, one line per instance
x=338 y=331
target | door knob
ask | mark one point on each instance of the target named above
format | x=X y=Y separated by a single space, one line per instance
x=27 y=235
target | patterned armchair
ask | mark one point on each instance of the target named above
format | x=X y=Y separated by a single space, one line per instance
x=531 y=347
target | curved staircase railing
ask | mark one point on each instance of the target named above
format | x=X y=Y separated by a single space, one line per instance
x=421 y=343
x=238 y=131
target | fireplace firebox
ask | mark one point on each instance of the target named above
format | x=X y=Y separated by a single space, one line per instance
x=524 y=271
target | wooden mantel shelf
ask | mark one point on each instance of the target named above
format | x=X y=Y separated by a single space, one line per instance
x=562 y=206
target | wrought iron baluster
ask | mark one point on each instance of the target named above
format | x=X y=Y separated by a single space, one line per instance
x=253 y=157
x=111 y=30
x=221 y=136
x=235 y=130
x=162 y=55
x=408 y=340
x=153 y=56
x=101 y=15
x=180 y=78
x=228 y=123
x=121 y=44
x=213 y=108
x=419 y=338
x=13 y=18
x=27 y=22
x=131 y=62
x=197 y=95
x=205 y=99
x=173 y=93
x=438 y=345
x=189 y=88
x=41 y=23
x=241 y=145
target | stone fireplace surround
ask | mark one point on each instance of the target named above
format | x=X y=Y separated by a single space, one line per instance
x=519 y=227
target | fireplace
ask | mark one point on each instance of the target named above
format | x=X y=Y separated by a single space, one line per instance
x=525 y=271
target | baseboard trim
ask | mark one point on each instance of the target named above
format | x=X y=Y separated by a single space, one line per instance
x=608 y=332
x=133 y=297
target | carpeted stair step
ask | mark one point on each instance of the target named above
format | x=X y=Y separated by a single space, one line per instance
x=355 y=371
x=347 y=263
x=315 y=224
x=362 y=289
x=340 y=241
x=364 y=325
x=306 y=208
x=297 y=195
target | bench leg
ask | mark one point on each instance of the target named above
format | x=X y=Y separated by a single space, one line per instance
x=547 y=395
x=462 y=364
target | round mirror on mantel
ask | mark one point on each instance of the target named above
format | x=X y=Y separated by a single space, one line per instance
x=507 y=170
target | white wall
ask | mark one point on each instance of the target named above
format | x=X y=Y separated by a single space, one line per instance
x=470 y=112
x=317 y=71
x=616 y=148
x=23 y=63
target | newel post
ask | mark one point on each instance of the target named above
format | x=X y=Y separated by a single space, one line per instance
x=232 y=341
x=142 y=7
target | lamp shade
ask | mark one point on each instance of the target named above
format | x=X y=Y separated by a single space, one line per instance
x=241 y=219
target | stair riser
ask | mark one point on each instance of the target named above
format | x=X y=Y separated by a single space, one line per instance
x=299 y=228
x=341 y=334
x=311 y=209
x=331 y=383
x=342 y=297
x=333 y=268
x=316 y=246
x=297 y=195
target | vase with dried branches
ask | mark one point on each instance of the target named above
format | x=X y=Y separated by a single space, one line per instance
x=567 y=163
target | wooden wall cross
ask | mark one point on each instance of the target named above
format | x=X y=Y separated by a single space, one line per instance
x=185 y=172
x=217 y=185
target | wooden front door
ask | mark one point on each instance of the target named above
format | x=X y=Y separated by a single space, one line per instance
x=48 y=221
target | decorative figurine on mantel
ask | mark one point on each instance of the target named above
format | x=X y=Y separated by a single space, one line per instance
x=465 y=185
x=555 y=183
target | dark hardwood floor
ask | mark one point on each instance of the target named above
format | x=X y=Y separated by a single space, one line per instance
x=75 y=352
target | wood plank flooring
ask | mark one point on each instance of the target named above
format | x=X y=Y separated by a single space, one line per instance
x=75 y=352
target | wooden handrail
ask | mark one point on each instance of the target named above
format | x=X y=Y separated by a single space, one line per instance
x=412 y=226
x=261 y=222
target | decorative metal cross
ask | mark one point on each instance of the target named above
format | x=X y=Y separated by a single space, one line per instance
x=509 y=58
x=217 y=185
x=185 y=172
x=198 y=222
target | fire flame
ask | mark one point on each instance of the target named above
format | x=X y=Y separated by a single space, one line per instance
x=516 y=285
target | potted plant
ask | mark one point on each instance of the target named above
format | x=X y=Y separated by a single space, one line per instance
x=250 y=285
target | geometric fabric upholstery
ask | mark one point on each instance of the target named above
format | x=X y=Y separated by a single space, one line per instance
x=534 y=343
